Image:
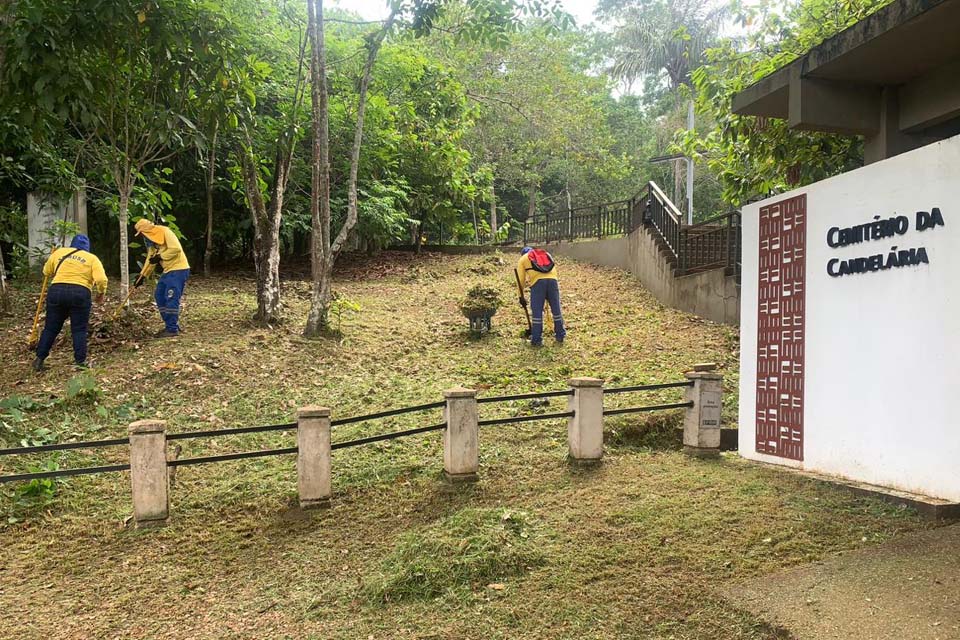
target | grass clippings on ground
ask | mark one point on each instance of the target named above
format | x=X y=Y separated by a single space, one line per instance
x=630 y=549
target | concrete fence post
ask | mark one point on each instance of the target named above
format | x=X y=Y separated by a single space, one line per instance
x=313 y=457
x=585 y=427
x=701 y=422
x=148 y=473
x=461 y=437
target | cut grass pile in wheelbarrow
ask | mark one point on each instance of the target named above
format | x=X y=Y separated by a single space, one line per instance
x=480 y=300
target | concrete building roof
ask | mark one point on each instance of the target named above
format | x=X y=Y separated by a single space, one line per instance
x=894 y=78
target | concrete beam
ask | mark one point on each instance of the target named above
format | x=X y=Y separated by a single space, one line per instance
x=822 y=105
x=893 y=20
x=769 y=97
x=888 y=140
x=930 y=99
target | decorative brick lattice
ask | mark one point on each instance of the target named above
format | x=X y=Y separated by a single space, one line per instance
x=780 y=328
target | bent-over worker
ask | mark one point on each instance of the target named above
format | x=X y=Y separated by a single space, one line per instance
x=164 y=251
x=74 y=274
x=539 y=272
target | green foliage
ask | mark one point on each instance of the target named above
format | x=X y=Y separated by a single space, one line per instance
x=660 y=38
x=54 y=237
x=464 y=95
x=465 y=550
x=39 y=490
x=382 y=217
x=340 y=304
x=82 y=388
x=541 y=120
x=752 y=156
x=13 y=223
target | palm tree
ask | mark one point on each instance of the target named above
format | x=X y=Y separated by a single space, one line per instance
x=653 y=37
x=656 y=37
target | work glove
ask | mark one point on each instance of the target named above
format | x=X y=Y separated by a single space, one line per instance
x=523 y=301
x=155 y=260
x=138 y=282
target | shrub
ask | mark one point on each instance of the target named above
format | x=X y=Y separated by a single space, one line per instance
x=82 y=388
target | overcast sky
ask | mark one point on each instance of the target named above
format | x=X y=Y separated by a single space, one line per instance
x=582 y=10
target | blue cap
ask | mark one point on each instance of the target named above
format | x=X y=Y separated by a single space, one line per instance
x=525 y=250
x=81 y=242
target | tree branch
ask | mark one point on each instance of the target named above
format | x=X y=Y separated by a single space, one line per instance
x=477 y=96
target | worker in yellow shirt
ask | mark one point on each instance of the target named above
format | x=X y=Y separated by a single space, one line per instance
x=164 y=251
x=537 y=271
x=74 y=274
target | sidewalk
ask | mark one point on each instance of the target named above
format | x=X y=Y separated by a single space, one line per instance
x=906 y=589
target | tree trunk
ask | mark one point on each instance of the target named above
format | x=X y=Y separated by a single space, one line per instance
x=373 y=47
x=266 y=237
x=124 y=241
x=211 y=172
x=493 y=213
x=266 y=250
x=569 y=210
x=532 y=200
x=322 y=270
x=476 y=227
x=321 y=260
x=4 y=288
x=419 y=243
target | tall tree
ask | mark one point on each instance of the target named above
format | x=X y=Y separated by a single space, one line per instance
x=660 y=38
x=486 y=20
x=541 y=116
x=657 y=39
x=324 y=250
x=267 y=137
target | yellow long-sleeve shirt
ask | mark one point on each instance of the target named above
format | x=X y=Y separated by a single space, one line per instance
x=81 y=268
x=172 y=257
x=529 y=275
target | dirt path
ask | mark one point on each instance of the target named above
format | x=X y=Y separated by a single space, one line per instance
x=906 y=589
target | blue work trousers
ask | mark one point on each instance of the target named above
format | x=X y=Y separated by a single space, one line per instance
x=169 y=291
x=66 y=301
x=546 y=290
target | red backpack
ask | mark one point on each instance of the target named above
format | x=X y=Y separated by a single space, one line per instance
x=540 y=260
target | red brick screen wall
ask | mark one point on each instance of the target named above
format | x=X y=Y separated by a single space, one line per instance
x=780 y=328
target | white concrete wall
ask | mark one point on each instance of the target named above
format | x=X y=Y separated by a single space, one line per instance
x=44 y=210
x=710 y=294
x=882 y=349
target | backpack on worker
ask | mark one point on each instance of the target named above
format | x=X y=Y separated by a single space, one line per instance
x=540 y=260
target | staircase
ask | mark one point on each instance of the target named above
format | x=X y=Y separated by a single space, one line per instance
x=687 y=249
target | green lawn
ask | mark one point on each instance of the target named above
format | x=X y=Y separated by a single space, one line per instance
x=634 y=548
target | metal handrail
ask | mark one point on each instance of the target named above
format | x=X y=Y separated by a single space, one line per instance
x=65 y=446
x=677 y=215
x=714 y=219
x=656 y=407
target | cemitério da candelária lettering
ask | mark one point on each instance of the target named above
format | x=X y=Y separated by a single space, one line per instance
x=894 y=259
x=880 y=229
